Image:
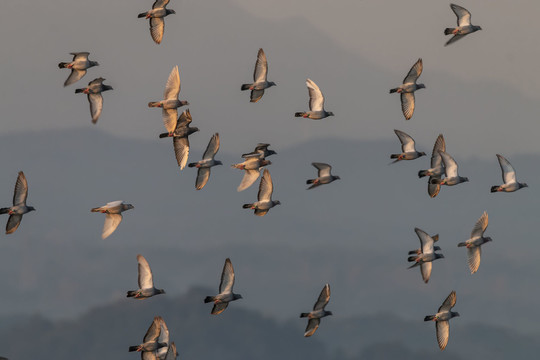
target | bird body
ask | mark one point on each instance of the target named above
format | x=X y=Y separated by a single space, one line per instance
x=226 y=294
x=316 y=103
x=318 y=311
x=509 y=177
x=78 y=66
x=113 y=216
x=95 y=99
x=408 y=88
x=19 y=207
x=464 y=26
x=260 y=82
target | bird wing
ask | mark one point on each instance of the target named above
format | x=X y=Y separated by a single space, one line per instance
x=13 y=223
x=256 y=95
x=324 y=298
x=172 y=88
x=96 y=105
x=443 y=332
x=83 y=55
x=425 y=270
x=154 y=330
x=111 y=223
x=261 y=67
x=203 y=174
x=450 y=165
x=212 y=148
x=227 y=278
x=113 y=204
x=407 y=104
x=323 y=169
x=414 y=73
x=463 y=15
x=75 y=76
x=480 y=226
x=163 y=338
x=184 y=119
x=181 y=150
x=266 y=187
x=219 y=308
x=157 y=26
x=171 y=352
x=453 y=39
x=426 y=241
x=145 y=273
x=473 y=258
x=170 y=119
x=250 y=176
x=449 y=302
x=433 y=189
x=160 y=3
x=21 y=190
x=407 y=142
x=440 y=145
x=149 y=355
x=508 y=172
x=316 y=98
x=312 y=326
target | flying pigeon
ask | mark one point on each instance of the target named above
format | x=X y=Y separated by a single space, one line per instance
x=444 y=314
x=259 y=78
x=437 y=168
x=408 y=88
x=464 y=24
x=180 y=136
x=316 y=103
x=323 y=175
x=113 y=216
x=509 y=177
x=78 y=66
x=407 y=147
x=146 y=282
x=318 y=311
x=226 y=295
x=474 y=244
x=427 y=256
x=153 y=339
x=156 y=15
x=261 y=150
x=94 y=90
x=19 y=207
x=203 y=166
x=451 y=172
x=251 y=167
x=264 y=197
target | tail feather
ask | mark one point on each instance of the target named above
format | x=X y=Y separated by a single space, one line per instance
x=310 y=181
x=134 y=348
x=435 y=181
x=436 y=248
x=413 y=265
x=154 y=104
x=131 y=293
x=208 y=299
x=435 y=237
x=63 y=65
x=394 y=156
x=422 y=173
x=411 y=258
x=299 y=114
x=448 y=31
x=429 y=318
x=415 y=252
x=247 y=206
x=93 y=210
x=393 y=90
x=461 y=244
x=163 y=135
x=494 y=188
x=141 y=15
x=192 y=164
x=4 y=210
x=303 y=315
x=77 y=91
x=245 y=87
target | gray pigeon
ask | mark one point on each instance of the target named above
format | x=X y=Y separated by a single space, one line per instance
x=316 y=103
x=408 y=88
x=464 y=26
x=94 y=90
x=226 y=295
x=323 y=175
x=427 y=255
x=203 y=166
x=473 y=245
x=408 y=151
x=78 y=66
x=450 y=171
x=264 y=197
x=113 y=216
x=19 y=207
x=251 y=167
x=444 y=314
x=259 y=78
x=509 y=177
x=152 y=340
x=437 y=168
x=156 y=15
x=180 y=135
x=146 y=282
x=261 y=150
x=318 y=311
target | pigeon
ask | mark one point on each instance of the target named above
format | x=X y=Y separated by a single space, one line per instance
x=419 y=250
x=450 y=171
x=156 y=15
x=180 y=136
x=323 y=175
x=226 y=295
x=170 y=102
x=316 y=103
x=427 y=256
x=318 y=312
x=251 y=167
x=78 y=67
x=437 y=168
x=259 y=78
x=408 y=88
x=153 y=339
x=94 y=90
x=407 y=147
x=146 y=283
x=474 y=244
x=444 y=314
x=264 y=197
x=19 y=207
x=261 y=150
x=113 y=216
x=509 y=177
x=464 y=24
x=203 y=166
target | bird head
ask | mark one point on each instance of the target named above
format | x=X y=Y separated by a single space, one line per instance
x=184 y=103
x=271 y=152
x=439 y=256
x=218 y=162
x=237 y=296
x=31 y=208
x=330 y=113
x=522 y=185
x=488 y=239
x=277 y=202
x=170 y=11
x=464 y=179
x=271 y=83
x=328 y=313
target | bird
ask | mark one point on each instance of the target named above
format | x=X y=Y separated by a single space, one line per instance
x=464 y=26
x=226 y=295
x=318 y=311
x=170 y=102
x=261 y=150
x=264 y=197
x=259 y=78
x=203 y=166
x=180 y=137
x=408 y=88
x=78 y=66
x=113 y=216
x=316 y=103
x=146 y=282
x=450 y=171
x=474 y=244
x=93 y=91
x=251 y=167
x=408 y=151
x=444 y=314
x=19 y=207
x=323 y=175
x=419 y=250
x=509 y=177
x=153 y=339
x=437 y=168
x=427 y=255
x=156 y=15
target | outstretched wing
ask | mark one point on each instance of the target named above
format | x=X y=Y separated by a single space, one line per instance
x=266 y=187
x=212 y=148
x=426 y=241
x=203 y=174
x=407 y=104
x=172 y=89
x=473 y=258
x=323 y=169
x=96 y=105
x=21 y=190
x=407 y=142
x=181 y=150
x=111 y=223
x=219 y=308
x=463 y=15
x=75 y=76
x=261 y=67
x=157 y=27
x=154 y=330
x=425 y=270
x=414 y=73
x=450 y=165
x=227 y=278
x=324 y=298
x=250 y=176
x=312 y=326
x=316 y=98
x=449 y=302
x=480 y=226
x=13 y=223
x=440 y=145
x=145 y=273
x=443 y=333
x=508 y=172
